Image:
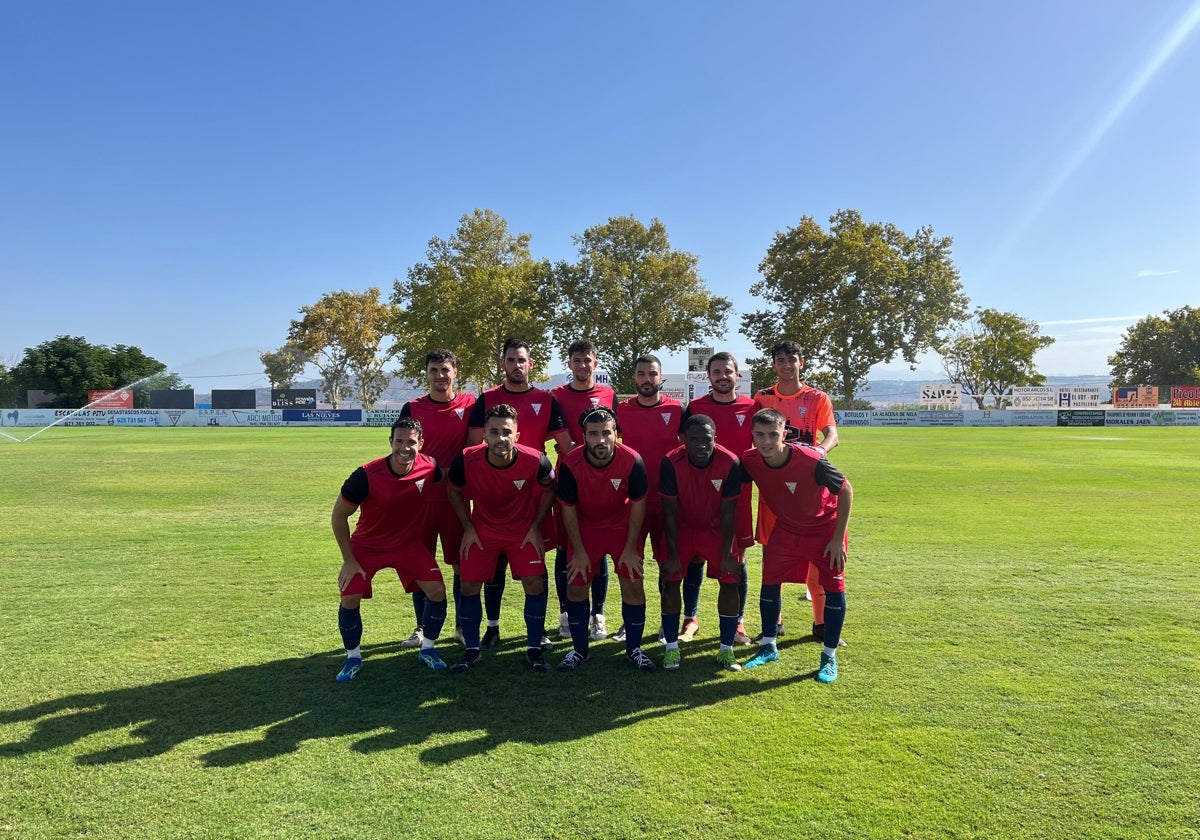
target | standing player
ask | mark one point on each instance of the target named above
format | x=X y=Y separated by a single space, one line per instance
x=540 y=419
x=510 y=489
x=574 y=398
x=649 y=424
x=810 y=411
x=602 y=487
x=443 y=414
x=731 y=414
x=812 y=501
x=700 y=483
x=393 y=493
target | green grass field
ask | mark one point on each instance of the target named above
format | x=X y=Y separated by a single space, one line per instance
x=1023 y=660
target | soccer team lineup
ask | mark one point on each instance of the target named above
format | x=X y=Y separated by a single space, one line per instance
x=639 y=483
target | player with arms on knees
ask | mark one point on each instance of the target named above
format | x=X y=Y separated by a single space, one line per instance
x=393 y=495
x=700 y=484
x=444 y=414
x=811 y=501
x=502 y=492
x=602 y=488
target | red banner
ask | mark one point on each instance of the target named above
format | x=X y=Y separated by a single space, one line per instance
x=1185 y=396
x=1136 y=396
x=110 y=399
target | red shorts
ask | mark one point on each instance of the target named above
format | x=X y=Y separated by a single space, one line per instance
x=700 y=546
x=479 y=566
x=787 y=556
x=412 y=563
x=600 y=544
x=443 y=522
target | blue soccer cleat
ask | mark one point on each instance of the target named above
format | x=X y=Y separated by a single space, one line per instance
x=430 y=658
x=350 y=667
x=766 y=653
x=828 y=672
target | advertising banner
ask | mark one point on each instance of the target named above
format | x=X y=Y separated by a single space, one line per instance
x=1078 y=396
x=1185 y=396
x=1038 y=396
x=989 y=417
x=1136 y=396
x=122 y=398
x=380 y=416
x=948 y=394
x=1046 y=417
x=852 y=418
x=1081 y=418
x=293 y=398
x=323 y=416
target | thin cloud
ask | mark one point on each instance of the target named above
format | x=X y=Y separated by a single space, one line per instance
x=1124 y=318
x=1150 y=272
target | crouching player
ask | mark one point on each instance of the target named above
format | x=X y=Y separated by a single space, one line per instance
x=510 y=489
x=393 y=493
x=700 y=483
x=811 y=501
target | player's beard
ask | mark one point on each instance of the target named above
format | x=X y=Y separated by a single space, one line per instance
x=649 y=389
x=597 y=458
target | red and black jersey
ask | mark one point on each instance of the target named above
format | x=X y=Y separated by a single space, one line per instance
x=601 y=496
x=504 y=499
x=443 y=427
x=700 y=491
x=573 y=403
x=392 y=508
x=651 y=431
x=733 y=420
x=802 y=492
x=538 y=414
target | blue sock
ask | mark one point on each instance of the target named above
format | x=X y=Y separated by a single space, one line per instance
x=560 y=578
x=435 y=617
x=835 y=617
x=456 y=589
x=419 y=600
x=535 y=619
x=493 y=594
x=470 y=614
x=600 y=588
x=634 y=616
x=743 y=591
x=729 y=625
x=670 y=624
x=350 y=626
x=769 y=606
x=577 y=616
x=691 y=589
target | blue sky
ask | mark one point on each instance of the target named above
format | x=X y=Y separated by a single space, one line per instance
x=184 y=177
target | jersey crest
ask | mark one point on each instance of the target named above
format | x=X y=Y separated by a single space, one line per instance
x=716 y=483
x=519 y=483
x=420 y=482
x=666 y=416
x=459 y=412
x=537 y=408
x=595 y=402
x=741 y=418
x=616 y=483
x=791 y=486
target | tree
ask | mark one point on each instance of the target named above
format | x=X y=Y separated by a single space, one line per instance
x=631 y=293
x=282 y=366
x=163 y=381
x=342 y=332
x=855 y=296
x=1162 y=351
x=475 y=291
x=993 y=352
x=70 y=366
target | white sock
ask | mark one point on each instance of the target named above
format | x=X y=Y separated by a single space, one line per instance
x=354 y=654
x=831 y=652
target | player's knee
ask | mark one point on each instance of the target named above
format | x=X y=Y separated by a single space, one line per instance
x=435 y=591
x=351 y=602
x=533 y=585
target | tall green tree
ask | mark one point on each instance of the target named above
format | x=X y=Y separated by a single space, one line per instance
x=70 y=366
x=342 y=332
x=8 y=389
x=1162 y=351
x=475 y=291
x=993 y=352
x=630 y=293
x=856 y=295
x=283 y=365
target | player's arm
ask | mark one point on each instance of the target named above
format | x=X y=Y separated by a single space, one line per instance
x=568 y=493
x=546 y=480
x=340 y=521
x=630 y=557
x=475 y=422
x=559 y=428
x=731 y=492
x=668 y=490
x=456 y=480
x=829 y=439
x=836 y=550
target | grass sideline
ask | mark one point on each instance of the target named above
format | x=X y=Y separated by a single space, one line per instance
x=1024 y=659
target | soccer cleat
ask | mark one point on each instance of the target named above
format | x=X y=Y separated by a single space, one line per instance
x=350 y=667
x=828 y=671
x=671 y=659
x=547 y=645
x=728 y=661
x=641 y=661
x=741 y=637
x=470 y=659
x=415 y=639
x=766 y=653
x=690 y=627
x=619 y=636
x=599 y=630
x=537 y=660
x=572 y=661
x=564 y=626
x=429 y=657
x=490 y=637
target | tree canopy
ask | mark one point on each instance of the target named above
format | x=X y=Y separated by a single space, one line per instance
x=856 y=295
x=630 y=293
x=993 y=352
x=70 y=366
x=283 y=365
x=475 y=291
x=342 y=333
x=1162 y=351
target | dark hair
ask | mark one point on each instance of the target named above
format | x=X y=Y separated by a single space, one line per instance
x=722 y=356
x=769 y=417
x=598 y=414
x=788 y=348
x=503 y=410
x=407 y=423
x=441 y=355
x=515 y=344
x=698 y=420
x=648 y=359
x=582 y=346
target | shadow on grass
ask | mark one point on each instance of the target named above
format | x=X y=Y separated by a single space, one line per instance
x=393 y=703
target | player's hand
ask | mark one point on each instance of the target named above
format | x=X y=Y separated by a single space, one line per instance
x=578 y=566
x=836 y=552
x=670 y=566
x=534 y=538
x=729 y=564
x=470 y=538
x=631 y=560
x=349 y=569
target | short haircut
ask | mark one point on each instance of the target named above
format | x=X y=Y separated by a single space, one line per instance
x=503 y=410
x=515 y=344
x=441 y=355
x=407 y=423
x=787 y=348
x=722 y=356
x=648 y=359
x=598 y=414
x=695 y=420
x=769 y=417
x=582 y=346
